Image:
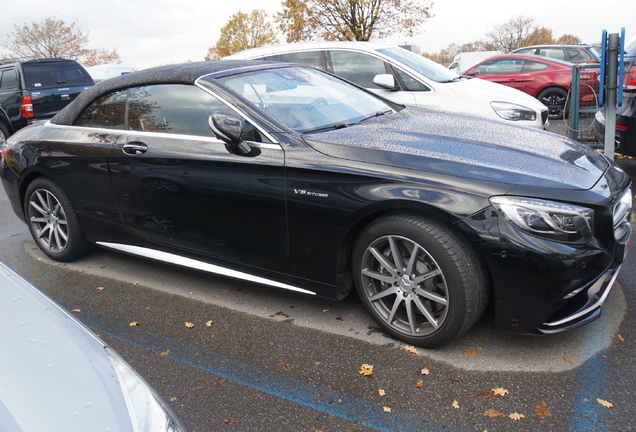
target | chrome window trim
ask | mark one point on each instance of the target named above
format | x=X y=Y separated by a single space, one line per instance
x=236 y=110
x=198 y=265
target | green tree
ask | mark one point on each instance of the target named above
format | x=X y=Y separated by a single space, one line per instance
x=243 y=31
x=304 y=20
x=54 y=38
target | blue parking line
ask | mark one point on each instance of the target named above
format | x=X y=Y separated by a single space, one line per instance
x=311 y=395
x=592 y=382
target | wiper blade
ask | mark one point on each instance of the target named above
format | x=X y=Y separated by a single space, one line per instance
x=377 y=114
x=326 y=128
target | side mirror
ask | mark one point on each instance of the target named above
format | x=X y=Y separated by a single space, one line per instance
x=386 y=81
x=229 y=128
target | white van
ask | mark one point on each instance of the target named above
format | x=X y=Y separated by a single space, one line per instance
x=410 y=79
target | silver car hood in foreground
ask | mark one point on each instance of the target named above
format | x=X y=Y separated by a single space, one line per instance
x=55 y=375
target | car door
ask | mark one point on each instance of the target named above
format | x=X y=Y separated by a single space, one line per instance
x=10 y=96
x=507 y=71
x=176 y=184
x=361 y=68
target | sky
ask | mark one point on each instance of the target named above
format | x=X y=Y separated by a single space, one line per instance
x=156 y=32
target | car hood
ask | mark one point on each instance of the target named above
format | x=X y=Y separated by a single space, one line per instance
x=54 y=373
x=487 y=90
x=465 y=146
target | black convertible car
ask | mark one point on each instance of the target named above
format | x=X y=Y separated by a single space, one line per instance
x=287 y=176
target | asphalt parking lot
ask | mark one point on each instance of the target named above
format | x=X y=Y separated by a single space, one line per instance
x=259 y=359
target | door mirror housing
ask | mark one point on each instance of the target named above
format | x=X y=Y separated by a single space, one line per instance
x=386 y=81
x=229 y=128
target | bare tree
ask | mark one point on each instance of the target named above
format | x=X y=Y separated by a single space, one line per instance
x=54 y=38
x=303 y=20
x=512 y=34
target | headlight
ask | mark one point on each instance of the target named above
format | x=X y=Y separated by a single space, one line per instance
x=513 y=112
x=147 y=412
x=550 y=219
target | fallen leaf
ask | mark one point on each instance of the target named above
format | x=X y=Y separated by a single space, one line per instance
x=455 y=404
x=516 y=416
x=165 y=353
x=351 y=315
x=100 y=288
x=366 y=370
x=493 y=413
x=209 y=323
x=472 y=352
x=419 y=384
x=605 y=403
x=424 y=371
x=136 y=283
x=542 y=410
x=325 y=310
x=386 y=409
x=412 y=350
x=500 y=391
x=134 y=324
x=169 y=323
x=381 y=392
x=487 y=395
x=620 y=338
x=76 y=310
x=189 y=324
x=568 y=359
x=230 y=420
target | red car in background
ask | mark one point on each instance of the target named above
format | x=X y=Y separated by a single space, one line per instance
x=550 y=81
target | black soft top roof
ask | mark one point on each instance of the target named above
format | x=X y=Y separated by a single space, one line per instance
x=185 y=73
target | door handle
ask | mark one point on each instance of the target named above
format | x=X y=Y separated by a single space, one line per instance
x=135 y=148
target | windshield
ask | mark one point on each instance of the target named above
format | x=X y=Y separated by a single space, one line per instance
x=306 y=100
x=421 y=65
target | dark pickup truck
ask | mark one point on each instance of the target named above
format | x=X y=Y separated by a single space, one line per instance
x=36 y=90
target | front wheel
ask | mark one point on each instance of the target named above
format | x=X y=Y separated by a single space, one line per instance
x=419 y=280
x=52 y=221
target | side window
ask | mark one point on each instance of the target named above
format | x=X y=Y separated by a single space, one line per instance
x=579 y=56
x=172 y=108
x=555 y=53
x=107 y=112
x=410 y=83
x=358 y=67
x=502 y=66
x=525 y=51
x=8 y=78
x=533 y=66
x=308 y=58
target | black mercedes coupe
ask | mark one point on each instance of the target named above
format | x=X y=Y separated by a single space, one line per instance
x=284 y=175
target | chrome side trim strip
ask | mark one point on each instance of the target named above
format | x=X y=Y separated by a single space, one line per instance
x=198 y=265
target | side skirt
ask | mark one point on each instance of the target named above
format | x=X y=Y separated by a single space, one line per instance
x=198 y=265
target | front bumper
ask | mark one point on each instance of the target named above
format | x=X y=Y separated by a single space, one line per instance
x=542 y=286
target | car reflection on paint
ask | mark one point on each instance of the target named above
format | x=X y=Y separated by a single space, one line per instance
x=58 y=376
x=284 y=175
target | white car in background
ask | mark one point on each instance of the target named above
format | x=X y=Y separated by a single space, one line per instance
x=407 y=78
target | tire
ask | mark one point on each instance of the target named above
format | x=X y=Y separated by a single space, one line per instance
x=557 y=101
x=52 y=221
x=427 y=298
x=4 y=134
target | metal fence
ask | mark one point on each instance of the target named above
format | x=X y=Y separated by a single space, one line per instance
x=583 y=96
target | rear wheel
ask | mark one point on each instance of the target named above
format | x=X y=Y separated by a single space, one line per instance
x=557 y=101
x=419 y=280
x=52 y=221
